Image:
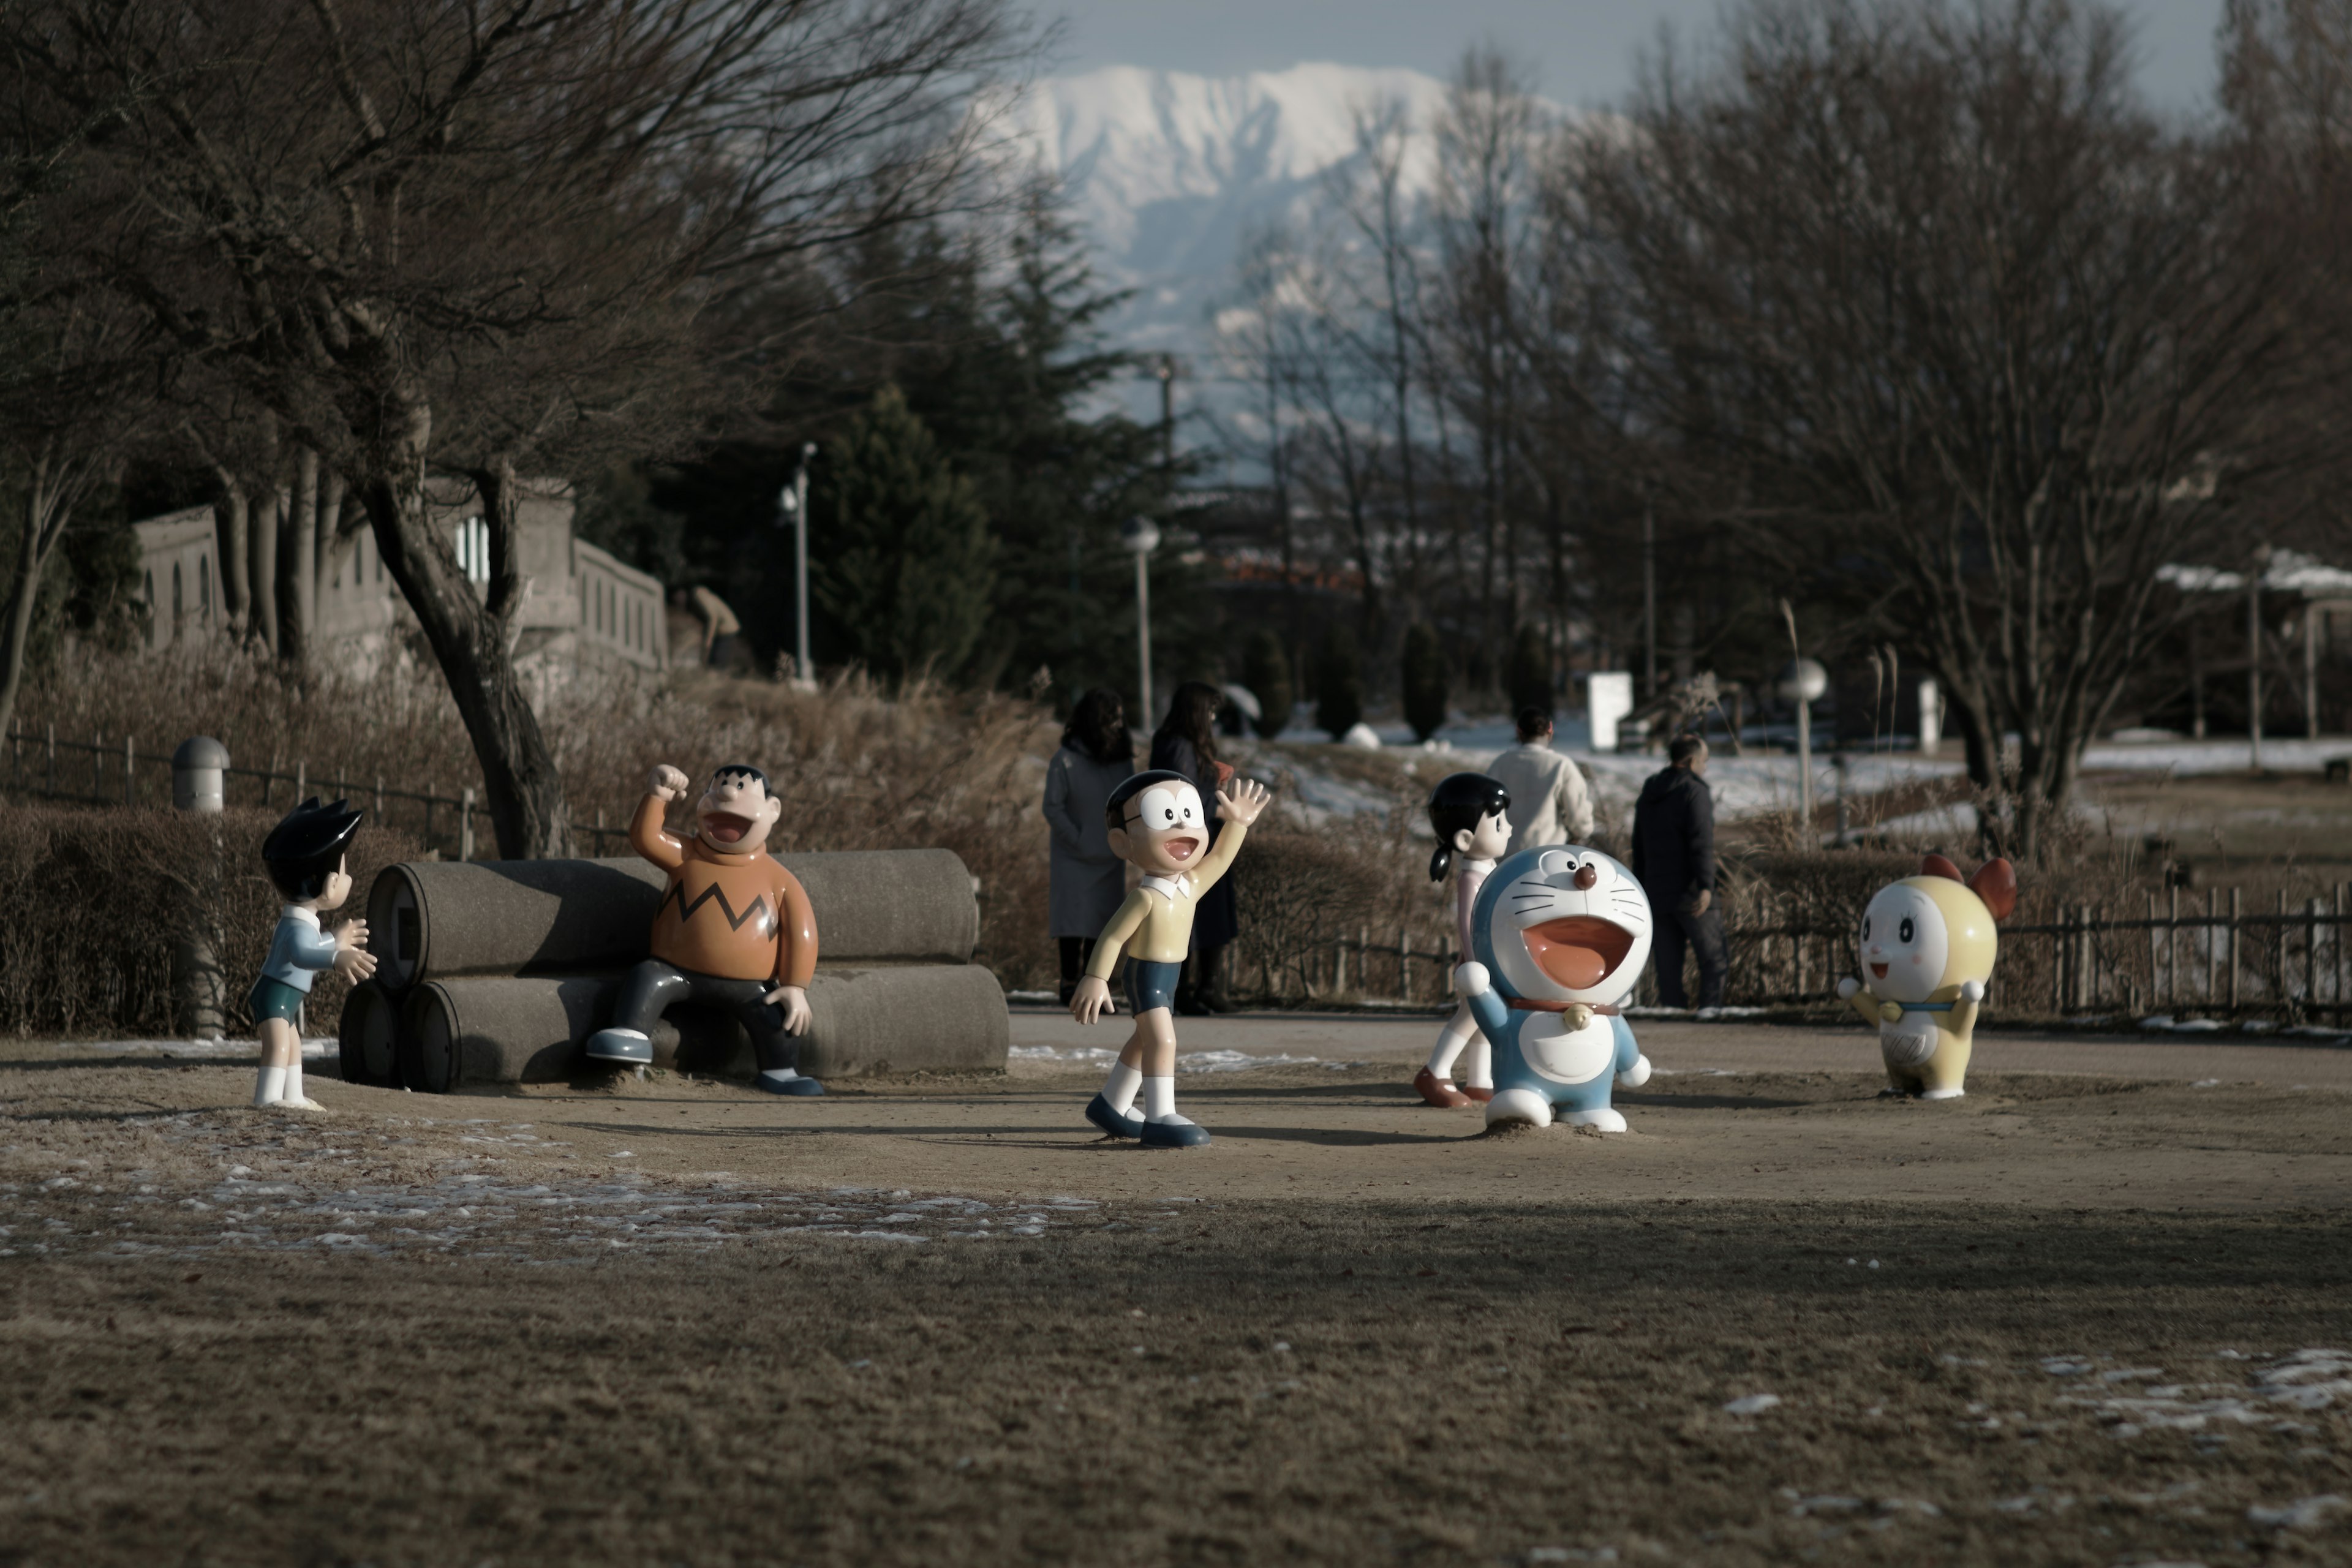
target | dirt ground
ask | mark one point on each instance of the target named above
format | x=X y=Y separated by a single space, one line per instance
x=2080 y=1317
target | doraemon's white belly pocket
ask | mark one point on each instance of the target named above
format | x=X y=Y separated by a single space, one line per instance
x=1909 y=1043
x=1567 y=1058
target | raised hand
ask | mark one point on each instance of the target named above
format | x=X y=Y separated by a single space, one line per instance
x=352 y=960
x=1242 y=801
x=667 y=782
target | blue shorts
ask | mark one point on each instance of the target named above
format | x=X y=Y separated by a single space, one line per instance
x=276 y=999
x=1151 y=984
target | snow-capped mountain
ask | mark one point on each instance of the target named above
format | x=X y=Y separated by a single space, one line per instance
x=1172 y=174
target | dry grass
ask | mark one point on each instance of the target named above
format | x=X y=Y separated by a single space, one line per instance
x=856 y=769
x=92 y=904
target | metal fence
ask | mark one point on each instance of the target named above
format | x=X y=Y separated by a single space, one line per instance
x=2197 y=954
x=103 y=772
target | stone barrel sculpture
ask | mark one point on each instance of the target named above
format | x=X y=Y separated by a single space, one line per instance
x=495 y=972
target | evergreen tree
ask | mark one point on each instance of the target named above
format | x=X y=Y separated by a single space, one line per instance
x=1265 y=671
x=907 y=564
x=1339 y=682
x=1425 y=675
x=1528 y=675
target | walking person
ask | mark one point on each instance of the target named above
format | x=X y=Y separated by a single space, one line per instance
x=1187 y=743
x=1674 y=859
x=1088 y=878
x=1550 y=802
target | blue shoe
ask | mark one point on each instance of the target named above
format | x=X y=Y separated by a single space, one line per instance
x=1174 y=1135
x=787 y=1086
x=1099 y=1112
x=621 y=1047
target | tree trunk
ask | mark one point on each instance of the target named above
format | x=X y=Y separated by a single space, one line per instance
x=230 y=525
x=23 y=598
x=52 y=489
x=522 y=787
x=298 y=576
x=262 y=539
x=326 y=548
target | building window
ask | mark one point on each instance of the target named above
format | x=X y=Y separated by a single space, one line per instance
x=474 y=549
x=204 y=589
x=179 y=602
x=150 y=606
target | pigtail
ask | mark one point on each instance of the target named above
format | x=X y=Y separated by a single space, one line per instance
x=1441 y=862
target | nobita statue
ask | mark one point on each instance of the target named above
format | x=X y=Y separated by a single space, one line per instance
x=1559 y=936
x=1159 y=827
x=1928 y=945
x=734 y=929
x=306 y=858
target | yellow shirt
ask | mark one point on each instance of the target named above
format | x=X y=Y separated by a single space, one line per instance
x=1157 y=927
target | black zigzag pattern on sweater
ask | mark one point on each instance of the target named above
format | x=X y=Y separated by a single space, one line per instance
x=686 y=910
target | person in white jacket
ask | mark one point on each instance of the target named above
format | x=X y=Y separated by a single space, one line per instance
x=1550 y=802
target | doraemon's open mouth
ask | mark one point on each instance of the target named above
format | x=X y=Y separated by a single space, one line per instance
x=725 y=827
x=1181 y=850
x=1878 y=971
x=1580 y=951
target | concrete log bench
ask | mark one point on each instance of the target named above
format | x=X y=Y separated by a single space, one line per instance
x=495 y=972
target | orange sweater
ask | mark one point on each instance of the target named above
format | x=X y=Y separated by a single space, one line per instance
x=739 y=917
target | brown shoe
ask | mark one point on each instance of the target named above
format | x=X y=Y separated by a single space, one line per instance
x=1479 y=1092
x=1437 y=1091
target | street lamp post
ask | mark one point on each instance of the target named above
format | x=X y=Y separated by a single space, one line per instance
x=793 y=503
x=1801 y=682
x=1141 y=535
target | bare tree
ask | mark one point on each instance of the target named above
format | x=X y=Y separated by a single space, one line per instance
x=454 y=241
x=1925 y=290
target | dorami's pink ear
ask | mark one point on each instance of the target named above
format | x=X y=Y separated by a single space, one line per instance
x=1996 y=883
x=1937 y=866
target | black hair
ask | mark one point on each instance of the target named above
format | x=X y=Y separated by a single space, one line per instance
x=1192 y=715
x=1533 y=721
x=307 y=847
x=1460 y=801
x=1097 y=727
x=1685 y=746
x=1127 y=788
x=747 y=771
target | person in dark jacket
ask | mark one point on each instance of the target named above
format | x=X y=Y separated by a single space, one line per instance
x=1673 y=858
x=1187 y=743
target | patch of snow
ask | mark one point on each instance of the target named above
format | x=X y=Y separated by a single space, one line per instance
x=1751 y=1404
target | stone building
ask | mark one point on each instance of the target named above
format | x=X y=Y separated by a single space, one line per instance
x=582 y=605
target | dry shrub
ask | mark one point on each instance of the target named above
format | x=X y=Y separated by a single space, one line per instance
x=93 y=904
x=856 y=769
x=1300 y=887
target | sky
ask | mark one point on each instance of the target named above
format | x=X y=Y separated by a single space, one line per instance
x=1580 y=50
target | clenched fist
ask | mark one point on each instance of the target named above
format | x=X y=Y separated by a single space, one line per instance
x=667 y=782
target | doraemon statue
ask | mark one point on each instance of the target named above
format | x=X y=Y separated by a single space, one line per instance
x=1560 y=935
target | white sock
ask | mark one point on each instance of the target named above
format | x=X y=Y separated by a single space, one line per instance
x=1160 y=1102
x=293 y=1089
x=778 y=1075
x=271 y=1087
x=1482 y=1064
x=1118 y=1089
x=1450 y=1041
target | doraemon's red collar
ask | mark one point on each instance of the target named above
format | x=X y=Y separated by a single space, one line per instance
x=1529 y=1004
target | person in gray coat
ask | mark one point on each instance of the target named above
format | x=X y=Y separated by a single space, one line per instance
x=1088 y=881
x=1549 y=801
